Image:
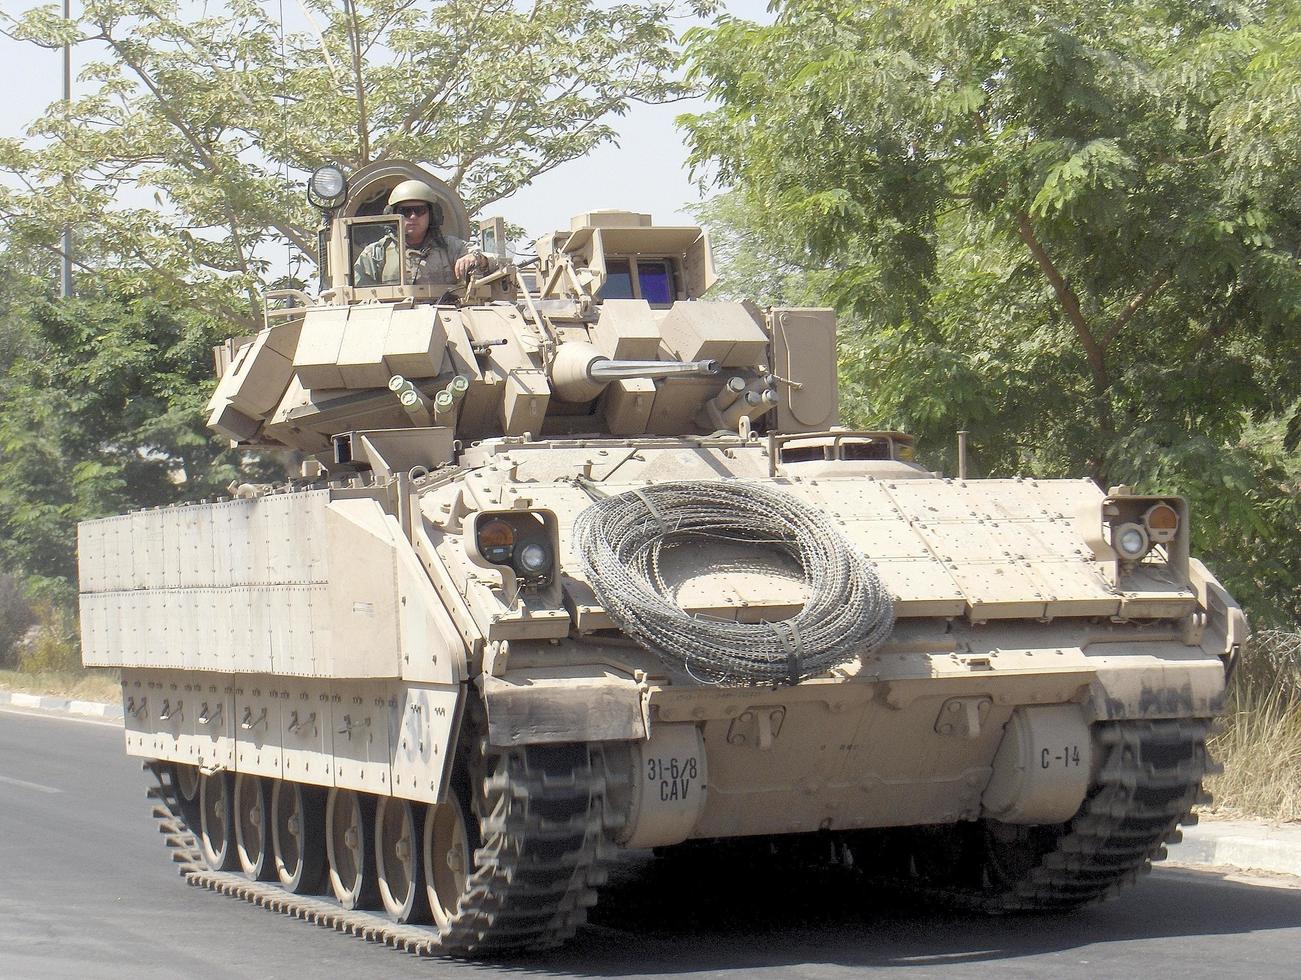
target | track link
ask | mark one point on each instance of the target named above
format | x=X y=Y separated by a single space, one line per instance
x=1148 y=782
x=169 y=812
x=545 y=850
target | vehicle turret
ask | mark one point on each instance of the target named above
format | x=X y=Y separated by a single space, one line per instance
x=605 y=331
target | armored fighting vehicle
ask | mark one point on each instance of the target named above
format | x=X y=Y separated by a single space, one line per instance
x=580 y=561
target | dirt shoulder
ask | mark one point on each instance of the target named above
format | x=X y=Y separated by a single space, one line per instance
x=102 y=686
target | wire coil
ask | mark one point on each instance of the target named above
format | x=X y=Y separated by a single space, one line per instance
x=619 y=540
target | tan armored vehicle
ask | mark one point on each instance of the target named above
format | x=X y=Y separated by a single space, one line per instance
x=581 y=561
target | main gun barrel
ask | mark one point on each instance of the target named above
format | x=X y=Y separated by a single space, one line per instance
x=580 y=372
x=607 y=369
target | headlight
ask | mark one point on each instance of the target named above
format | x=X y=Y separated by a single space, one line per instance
x=327 y=187
x=525 y=541
x=1131 y=541
x=533 y=558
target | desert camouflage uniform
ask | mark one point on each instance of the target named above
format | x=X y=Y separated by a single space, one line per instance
x=431 y=263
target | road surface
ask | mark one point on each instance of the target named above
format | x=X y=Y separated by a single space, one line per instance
x=86 y=891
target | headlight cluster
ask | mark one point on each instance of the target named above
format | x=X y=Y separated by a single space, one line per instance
x=327 y=187
x=520 y=540
x=1134 y=538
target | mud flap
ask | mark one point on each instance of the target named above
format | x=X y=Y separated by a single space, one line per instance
x=562 y=706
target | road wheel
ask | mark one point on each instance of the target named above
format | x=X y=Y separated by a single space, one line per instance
x=252 y=842
x=518 y=849
x=185 y=779
x=399 y=868
x=349 y=823
x=449 y=840
x=216 y=820
x=298 y=836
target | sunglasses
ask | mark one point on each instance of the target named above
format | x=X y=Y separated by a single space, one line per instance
x=412 y=210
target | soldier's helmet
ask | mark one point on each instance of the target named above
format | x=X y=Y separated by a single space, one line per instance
x=417 y=190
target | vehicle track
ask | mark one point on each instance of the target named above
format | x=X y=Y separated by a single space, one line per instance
x=547 y=847
x=545 y=852
x=1148 y=782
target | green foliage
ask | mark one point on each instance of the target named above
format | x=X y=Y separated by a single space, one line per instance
x=1071 y=228
x=206 y=115
x=56 y=648
x=102 y=411
x=754 y=261
x=16 y=617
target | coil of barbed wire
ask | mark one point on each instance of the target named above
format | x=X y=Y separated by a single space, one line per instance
x=618 y=541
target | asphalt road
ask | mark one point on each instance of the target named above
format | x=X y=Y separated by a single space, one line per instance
x=86 y=891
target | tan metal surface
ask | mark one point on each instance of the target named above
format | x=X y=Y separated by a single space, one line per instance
x=316 y=359
x=290 y=583
x=562 y=705
x=354 y=637
x=1042 y=768
x=257 y=377
x=725 y=332
x=626 y=329
x=804 y=348
x=353 y=734
x=997 y=550
x=669 y=786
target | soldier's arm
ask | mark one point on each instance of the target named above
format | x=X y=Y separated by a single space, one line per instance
x=470 y=258
x=366 y=270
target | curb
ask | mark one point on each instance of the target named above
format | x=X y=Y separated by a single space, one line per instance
x=1244 y=844
x=67 y=706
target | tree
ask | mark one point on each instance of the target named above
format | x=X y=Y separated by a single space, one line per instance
x=16 y=618
x=219 y=117
x=1071 y=228
x=101 y=411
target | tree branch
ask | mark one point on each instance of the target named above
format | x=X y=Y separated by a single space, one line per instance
x=1070 y=303
x=525 y=179
x=1133 y=306
x=330 y=66
x=1185 y=161
x=397 y=11
x=164 y=104
x=441 y=88
x=359 y=85
x=304 y=244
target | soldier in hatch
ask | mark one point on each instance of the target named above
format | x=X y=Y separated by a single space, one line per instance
x=432 y=257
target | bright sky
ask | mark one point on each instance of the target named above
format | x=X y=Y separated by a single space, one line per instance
x=645 y=172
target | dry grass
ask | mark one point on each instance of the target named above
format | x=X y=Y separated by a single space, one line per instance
x=80 y=685
x=1260 y=746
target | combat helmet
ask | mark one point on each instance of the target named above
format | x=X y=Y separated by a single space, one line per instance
x=417 y=190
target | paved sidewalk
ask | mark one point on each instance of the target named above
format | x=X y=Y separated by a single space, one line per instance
x=45 y=702
x=1245 y=844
